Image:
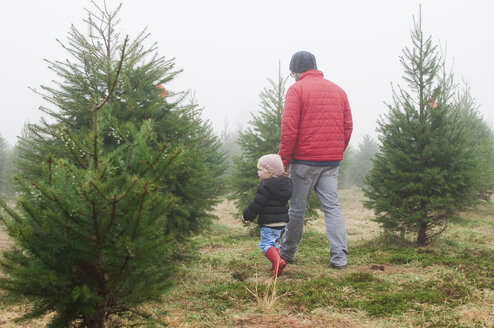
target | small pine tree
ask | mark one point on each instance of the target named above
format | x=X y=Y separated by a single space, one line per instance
x=196 y=183
x=261 y=138
x=480 y=138
x=362 y=160
x=229 y=146
x=112 y=188
x=4 y=155
x=345 y=172
x=423 y=171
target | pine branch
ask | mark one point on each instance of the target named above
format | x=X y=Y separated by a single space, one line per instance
x=443 y=228
x=65 y=207
x=112 y=214
x=75 y=155
x=44 y=192
x=7 y=209
x=169 y=162
x=110 y=93
x=117 y=130
x=134 y=181
x=156 y=159
x=68 y=227
x=29 y=212
x=139 y=212
x=96 y=108
x=96 y=227
x=102 y=194
x=164 y=210
x=145 y=250
x=55 y=200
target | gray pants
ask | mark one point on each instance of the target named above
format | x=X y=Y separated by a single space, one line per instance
x=324 y=180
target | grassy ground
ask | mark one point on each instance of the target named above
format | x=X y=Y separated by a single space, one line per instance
x=227 y=284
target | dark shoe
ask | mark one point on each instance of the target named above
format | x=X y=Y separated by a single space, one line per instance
x=287 y=260
x=338 y=267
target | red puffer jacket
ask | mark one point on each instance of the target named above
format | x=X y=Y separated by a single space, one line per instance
x=316 y=124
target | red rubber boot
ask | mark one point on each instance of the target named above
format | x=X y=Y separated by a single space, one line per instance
x=278 y=263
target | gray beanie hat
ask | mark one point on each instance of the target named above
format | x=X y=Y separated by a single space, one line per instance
x=302 y=61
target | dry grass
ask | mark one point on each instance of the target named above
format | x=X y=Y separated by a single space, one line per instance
x=5 y=242
x=316 y=320
x=226 y=256
x=8 y=315
x=227 y=214
x=268 y=300
x=360 y=228
x=358 y=220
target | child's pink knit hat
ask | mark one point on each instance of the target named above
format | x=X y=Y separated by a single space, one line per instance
x=272 y=163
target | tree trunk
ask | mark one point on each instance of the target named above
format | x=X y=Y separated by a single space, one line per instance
x=98 y=321
x=422 y=236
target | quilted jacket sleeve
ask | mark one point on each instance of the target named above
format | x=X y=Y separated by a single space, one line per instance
x=255 y=207
x=290 y=123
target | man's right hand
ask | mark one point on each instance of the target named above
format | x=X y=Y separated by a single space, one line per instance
x=287 y=170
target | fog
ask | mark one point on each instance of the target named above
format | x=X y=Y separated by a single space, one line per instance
x=228 y=49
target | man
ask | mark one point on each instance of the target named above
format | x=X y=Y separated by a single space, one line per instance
x=316 y=126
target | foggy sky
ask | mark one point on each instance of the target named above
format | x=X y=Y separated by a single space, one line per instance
x=228 y=49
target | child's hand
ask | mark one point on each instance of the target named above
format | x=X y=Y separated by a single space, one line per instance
x=244 y=221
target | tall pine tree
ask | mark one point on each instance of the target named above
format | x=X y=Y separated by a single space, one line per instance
x=424 y=169
x=4 y=157
x=261 y=138
x=196 y=182
x=112 y=187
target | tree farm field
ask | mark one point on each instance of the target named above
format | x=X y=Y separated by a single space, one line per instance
x=387 y=283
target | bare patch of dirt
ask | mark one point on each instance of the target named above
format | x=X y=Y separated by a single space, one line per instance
x=320 y=320
x=212 y=248
x=477 y=316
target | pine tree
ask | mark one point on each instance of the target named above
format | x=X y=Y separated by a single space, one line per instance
x=345 y=171
x=362 y=160
x=196 y=182
x=4 y=155
x=230 y=146
x=112 y=187
x=261 y=138
x=9 y=173
x=424 y=169
x=480 y=138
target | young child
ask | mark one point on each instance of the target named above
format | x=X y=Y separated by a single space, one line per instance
x=270 y=204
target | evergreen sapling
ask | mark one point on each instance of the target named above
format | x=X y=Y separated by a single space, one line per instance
x=424 y=169
x=112 y=189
